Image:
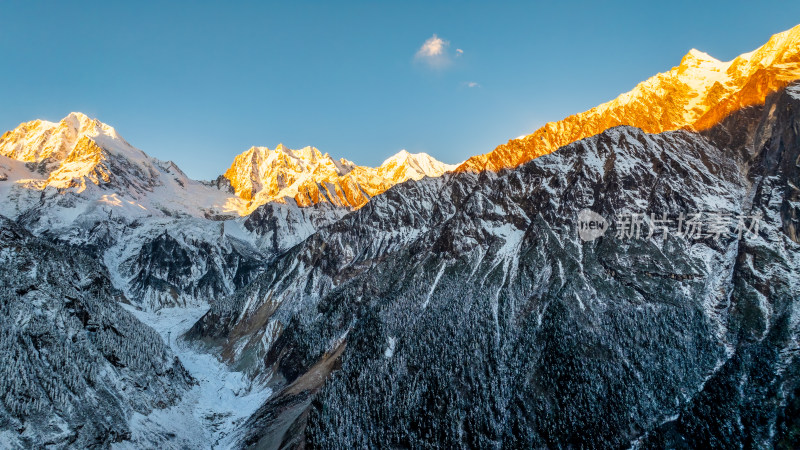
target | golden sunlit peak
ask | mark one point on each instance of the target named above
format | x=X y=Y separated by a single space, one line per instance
x=309 y=176
x=695 y=94
x=41 y=140
x=697 y=55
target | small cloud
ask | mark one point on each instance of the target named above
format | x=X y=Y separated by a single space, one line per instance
x=434 y=46
x=434 y=53
x=471 y=84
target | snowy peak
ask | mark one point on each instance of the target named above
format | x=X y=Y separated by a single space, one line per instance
x=699 y=70
x=81 y=165
x=412 y=166
x=78 y=151
x=696 y=58
x=40 y=140
x=260 y=170
x=84 y=125
x=260 y=175
x=696 y=94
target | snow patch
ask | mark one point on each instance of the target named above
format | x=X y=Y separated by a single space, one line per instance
x=391 y=343
x=211 y=411
x=433 y=287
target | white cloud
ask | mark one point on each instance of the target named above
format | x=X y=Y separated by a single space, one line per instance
x=471 y=84
x=434 y=46
x=434 y=52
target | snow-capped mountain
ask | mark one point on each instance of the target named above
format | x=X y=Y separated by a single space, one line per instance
x=79 y=182
x=79 y=155
x=696 y=94
x=261 y=175
x=168 y=239
x=81 y=165
x=466 y=311
x=412 y=166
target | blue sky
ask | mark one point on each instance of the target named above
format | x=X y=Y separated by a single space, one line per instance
x=199 y=82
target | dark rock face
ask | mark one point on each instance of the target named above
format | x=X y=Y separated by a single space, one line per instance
x=473 y=315
x=74 y=365
x=281 y=226
x=168 y=271
x=751 y=401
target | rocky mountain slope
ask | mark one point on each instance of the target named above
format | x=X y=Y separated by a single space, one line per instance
x=75 y=367
x=696 y=94
x=482 y=319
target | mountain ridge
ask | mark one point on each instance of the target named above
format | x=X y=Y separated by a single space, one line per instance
x=79 y=150
x=696 y=94
x=260 y=175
